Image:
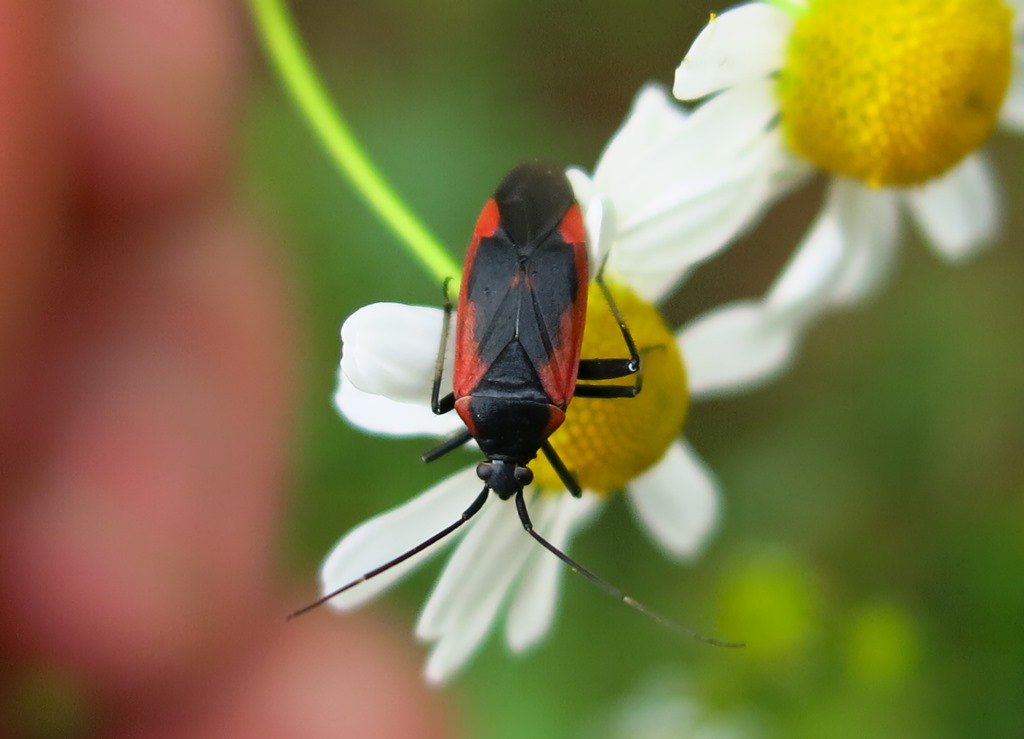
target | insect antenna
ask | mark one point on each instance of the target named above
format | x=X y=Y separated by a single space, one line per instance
x=613 y=591
x=467 y=514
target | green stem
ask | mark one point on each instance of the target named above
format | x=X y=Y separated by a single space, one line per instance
x=277 y=32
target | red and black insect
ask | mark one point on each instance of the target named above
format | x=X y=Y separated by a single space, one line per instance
x=522 y=311
x=521 y=315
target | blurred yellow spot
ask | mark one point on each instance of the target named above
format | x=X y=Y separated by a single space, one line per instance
x=606 y=443
x=894 y=92
x=882 y=646
x=770 y=600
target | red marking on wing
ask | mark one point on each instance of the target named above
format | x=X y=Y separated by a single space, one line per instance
x=468 y=368
x=462 y=408
x=488 y=222
x=556 y=416
x=571 y=227
x=559 y=374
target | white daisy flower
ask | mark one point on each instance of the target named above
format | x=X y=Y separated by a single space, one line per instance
x=657 y=205
x=893 y=99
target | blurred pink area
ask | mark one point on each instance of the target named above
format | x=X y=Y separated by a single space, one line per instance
x=146 y=387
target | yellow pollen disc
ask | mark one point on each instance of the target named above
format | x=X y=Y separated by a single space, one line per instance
x=606 y=443
x=894 y=92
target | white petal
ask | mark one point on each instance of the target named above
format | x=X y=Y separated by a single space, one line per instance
x=677 y=151
x=678 y=188
x=671 y=191
x=732 y=120
x=384 y=537
x=380 y=415
x=453 y=650
x=792 y=171
x=748 y=343
x=582 y=185
x=1012 y=112
x=390 y=349
x=846 y=253
x=600 y=224
x=808 y=275
x=598 y=218
x=693 y=222
x=869 y=227
x=735 y=347
x=740 y=44
x=677 y=500
x=533 y=606
x=485 y=557
x=658 y=146
x=475 y=583
x=653 y=122
x=958 y=213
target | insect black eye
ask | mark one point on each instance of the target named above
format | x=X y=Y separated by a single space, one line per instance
x=484 y=470
x=524 y=476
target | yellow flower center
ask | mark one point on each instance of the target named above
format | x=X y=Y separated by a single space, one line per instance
x=894 y=92
x=606 y=443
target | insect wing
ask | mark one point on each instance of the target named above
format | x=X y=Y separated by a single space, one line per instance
x=486 y=305
x=539 y=301
x=524 y=289
x=556 y=280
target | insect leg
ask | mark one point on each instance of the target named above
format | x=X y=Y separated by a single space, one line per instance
x=610 y=589
x=452 y=442
x=437 y=404
x=567 y=478
x=467 y=514
x=612 y=391
x=608 y=369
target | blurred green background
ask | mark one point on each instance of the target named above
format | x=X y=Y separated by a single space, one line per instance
x=872 y=545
